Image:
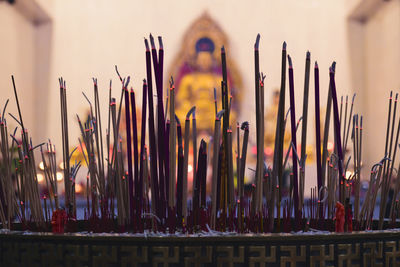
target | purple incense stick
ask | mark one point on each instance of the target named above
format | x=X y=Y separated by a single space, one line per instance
x=143 y=137
x=138 y=190
x=337 y=128
x=160 y=117
x=179 y=183
x=152 y=137
x=294 y=141
x=129 y=149
x=203 y=173
x=318 y=133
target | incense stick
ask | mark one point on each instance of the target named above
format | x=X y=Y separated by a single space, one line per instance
x=326 y=129
x=294 y=142
x=386 y=175
x=318 y=135
x=279 y=136
x=344 y=126
x=245 y=127
x=194 y=142
x=216 y=146
x=337 y=132
x=179 y=183
x=305 y=109
x=138 y=184
x=157 y=64
x=348 y=125
x=143 y=155
x=259 y=166
x=129 y=150
x=152 y=137
x=186 y=164
x=172 y=151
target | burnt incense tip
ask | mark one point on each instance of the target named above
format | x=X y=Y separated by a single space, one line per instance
x=160 y=43
x=222 y=49
x=219 y=114
x=354 y=96
x=308 y=55
x=262 y=78
x=334 y=66
x=257 y=43
x=177 y=120
x=127 y=81
x=298 y=122
x=290 y=61
x=153 y=46
x=192 y=110
x=203 y=144
x=146 y=43
x=144 y=81
x=316 y=65
x=287 y=114
x=245 y=126
x=284 y=46
x=116 y=70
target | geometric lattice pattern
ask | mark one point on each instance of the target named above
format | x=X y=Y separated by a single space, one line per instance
x=358 y=249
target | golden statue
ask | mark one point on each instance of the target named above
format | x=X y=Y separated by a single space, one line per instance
x=197 y=71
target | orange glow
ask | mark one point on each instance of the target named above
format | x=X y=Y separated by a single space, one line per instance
x=78 y=188
x=330 y=146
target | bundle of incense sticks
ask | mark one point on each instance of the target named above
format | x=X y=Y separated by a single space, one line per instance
x=133 y=188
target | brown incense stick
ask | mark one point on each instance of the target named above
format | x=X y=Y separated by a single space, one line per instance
x=172 y=147
x=231 y=186
x=238 y=158
x=305 y=110
x=186 y=163
x=279 y=136
x=385 y=177
x=326 y=129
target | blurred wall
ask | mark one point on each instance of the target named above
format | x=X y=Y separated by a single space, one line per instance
x=17 y=36
x=382 y=69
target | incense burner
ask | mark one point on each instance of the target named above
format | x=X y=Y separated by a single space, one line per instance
x=307 y=249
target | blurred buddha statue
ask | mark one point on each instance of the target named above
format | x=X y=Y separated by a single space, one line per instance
x=197 y=71
x=197 y=87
